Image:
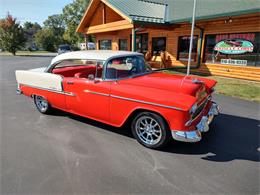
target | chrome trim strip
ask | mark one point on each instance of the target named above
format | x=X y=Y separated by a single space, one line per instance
x=144 y=102
x=96 y=93
x=133 y=100
x=51 y=90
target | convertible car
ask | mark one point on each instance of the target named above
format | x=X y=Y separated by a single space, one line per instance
x=117 y=87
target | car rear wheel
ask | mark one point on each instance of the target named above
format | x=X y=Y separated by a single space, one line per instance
x=150 y=130
x=42 y=104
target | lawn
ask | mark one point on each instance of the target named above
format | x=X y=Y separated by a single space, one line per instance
x=27 y=53
x=248 y=90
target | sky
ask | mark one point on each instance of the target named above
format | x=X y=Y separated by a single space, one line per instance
x=32 y=10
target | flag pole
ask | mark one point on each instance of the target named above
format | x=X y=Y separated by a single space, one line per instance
x=191 y=36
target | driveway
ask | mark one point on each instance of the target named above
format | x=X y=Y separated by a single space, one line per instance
x=67 y=154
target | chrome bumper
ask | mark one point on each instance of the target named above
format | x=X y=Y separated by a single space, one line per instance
x=202 y=126
x=19 y=92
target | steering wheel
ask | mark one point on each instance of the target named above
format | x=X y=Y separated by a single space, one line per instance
x=132 y=70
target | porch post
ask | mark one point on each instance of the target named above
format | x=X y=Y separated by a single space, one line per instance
x=133 y=39
x=86 y=41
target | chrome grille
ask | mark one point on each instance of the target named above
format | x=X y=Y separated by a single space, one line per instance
x=199 y=109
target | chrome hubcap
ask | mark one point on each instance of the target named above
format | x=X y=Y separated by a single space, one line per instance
x=41 y=103
x=148 y=130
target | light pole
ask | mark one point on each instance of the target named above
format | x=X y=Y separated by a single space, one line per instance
x=191 y=36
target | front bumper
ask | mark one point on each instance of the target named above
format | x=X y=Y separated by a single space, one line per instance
x=202 y=126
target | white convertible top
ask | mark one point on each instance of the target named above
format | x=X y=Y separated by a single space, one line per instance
x=92 y=55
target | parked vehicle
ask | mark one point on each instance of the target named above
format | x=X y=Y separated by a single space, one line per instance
x=87 y=46
x=115 y=87
x=64 y=48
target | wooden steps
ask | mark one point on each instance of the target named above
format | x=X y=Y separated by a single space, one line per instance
x=240 y=72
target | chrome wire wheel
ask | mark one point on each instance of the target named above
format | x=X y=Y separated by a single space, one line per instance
x=148 y=130
x=41 y=103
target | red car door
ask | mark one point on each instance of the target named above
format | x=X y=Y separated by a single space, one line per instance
x=90 y=98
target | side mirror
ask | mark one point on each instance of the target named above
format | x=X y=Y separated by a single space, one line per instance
x=91 y=77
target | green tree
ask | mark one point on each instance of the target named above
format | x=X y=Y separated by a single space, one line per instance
x=46 y=39
x=30 y=29
x=11 y=34
x=72 y=14
x=56 y=23
x=31 y=26
x=52 y=34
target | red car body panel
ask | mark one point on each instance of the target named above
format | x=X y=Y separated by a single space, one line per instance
x=112 y=102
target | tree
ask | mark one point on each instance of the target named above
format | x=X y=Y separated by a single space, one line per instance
x=72 y=14
x=52 y=34
x=46 y=39
x=56 y=23
x=31 y=26
x=30 y=29
x=11 y=34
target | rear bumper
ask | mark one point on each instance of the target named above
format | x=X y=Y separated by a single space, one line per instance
x=18 y=90
x=202 y=126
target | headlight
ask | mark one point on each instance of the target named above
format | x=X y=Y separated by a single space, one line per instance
x=193 y=108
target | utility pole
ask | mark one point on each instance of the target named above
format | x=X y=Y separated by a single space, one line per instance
x=191 y=36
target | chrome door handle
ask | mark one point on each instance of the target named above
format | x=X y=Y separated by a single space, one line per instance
x=70 y=82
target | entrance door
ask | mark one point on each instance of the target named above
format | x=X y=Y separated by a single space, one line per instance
x=141 y=42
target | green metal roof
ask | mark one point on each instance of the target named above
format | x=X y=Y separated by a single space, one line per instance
x=175 y=11
x=139 y=10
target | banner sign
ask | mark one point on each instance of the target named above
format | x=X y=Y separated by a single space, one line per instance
x=234 y=46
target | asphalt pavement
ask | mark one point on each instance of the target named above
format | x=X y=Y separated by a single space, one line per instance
x=66 y=154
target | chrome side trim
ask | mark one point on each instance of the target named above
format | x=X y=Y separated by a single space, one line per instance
x=133 y=100
x=144 y=102
x=96 y=93
x=51 y=90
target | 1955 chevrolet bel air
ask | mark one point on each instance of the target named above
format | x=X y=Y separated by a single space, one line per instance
x=116 y=87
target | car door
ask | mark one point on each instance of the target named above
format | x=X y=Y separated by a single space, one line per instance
x=90 y=98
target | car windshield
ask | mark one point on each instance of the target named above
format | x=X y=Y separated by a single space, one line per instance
x=123 y=67
x=64 y=47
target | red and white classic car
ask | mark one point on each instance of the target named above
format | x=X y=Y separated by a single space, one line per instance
x=115 y=87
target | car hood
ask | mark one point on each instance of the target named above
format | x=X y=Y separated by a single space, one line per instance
x=189 y=85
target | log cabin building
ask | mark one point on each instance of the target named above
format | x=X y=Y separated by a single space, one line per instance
x=226 y=36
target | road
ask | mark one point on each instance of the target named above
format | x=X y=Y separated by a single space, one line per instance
x=67 y=154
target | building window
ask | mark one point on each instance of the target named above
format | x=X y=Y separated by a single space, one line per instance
x=105 y=44
x=158 y=45
x=241 y=49
x=183 y=50
x=141 y=41
x=123 y=44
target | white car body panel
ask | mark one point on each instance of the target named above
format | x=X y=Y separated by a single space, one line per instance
x=42 y=69
x=38 y=79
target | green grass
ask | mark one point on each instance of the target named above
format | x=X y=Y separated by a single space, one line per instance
x=243 y=89
x=24 y=53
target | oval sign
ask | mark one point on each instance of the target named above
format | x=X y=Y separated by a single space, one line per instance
x=234 y=46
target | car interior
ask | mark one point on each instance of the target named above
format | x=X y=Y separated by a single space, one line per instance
x=79 y=70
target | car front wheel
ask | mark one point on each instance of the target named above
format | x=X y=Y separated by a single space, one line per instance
x=42 y=104
x=150 y=130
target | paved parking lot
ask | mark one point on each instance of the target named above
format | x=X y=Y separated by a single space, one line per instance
x=67 y=154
